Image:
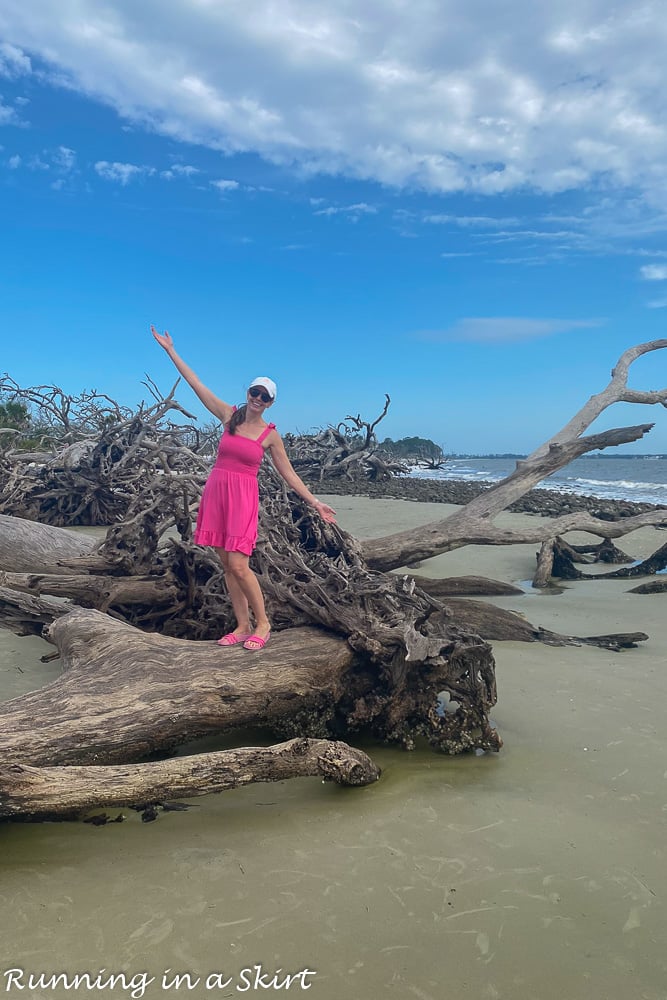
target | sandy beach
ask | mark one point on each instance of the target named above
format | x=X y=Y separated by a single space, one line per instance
x=534 y=874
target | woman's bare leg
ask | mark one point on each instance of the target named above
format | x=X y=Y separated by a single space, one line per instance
x=237 y=597
x=237 y=568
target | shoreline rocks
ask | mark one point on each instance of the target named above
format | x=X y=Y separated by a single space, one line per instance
x=545 y=503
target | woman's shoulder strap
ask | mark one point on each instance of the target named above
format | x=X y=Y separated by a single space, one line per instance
x=265 y=433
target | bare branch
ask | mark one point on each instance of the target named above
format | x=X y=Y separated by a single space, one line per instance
x=615 y=392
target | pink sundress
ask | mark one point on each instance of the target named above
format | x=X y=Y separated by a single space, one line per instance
x=229 y=506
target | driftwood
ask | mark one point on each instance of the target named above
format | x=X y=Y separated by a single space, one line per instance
x=99 y=456
x=25 y=545
x=605 y=552
x=655 y=563
x=557 y=559
x=473 y=524
x=348 y=451
x=545 y=564
x=28 y=792
x=125 y=694
x=354 y=648
x=467 y=586
x=497 y=624
x=654 y=587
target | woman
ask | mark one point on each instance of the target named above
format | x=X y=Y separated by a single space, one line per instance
x=228 y=511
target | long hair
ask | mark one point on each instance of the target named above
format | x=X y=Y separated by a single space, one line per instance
x=238 y=416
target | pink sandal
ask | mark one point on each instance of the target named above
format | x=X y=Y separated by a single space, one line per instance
x=232 y=640
x=259 y=642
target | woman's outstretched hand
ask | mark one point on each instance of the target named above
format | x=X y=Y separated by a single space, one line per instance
x=163 y=339
x=326 y=512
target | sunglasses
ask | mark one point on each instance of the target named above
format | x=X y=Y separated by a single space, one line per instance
x=259 y=393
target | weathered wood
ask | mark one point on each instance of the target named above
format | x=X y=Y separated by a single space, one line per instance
x=466 y=586
x=653 y=587
x=545 y=564
x=490 y=622
x=616 y=391
x=557 y=559
x=27 y=614
x=499 y=625
x=615 y=641
x=656 y=562
x=26 y=546
x=348 y=451
x=125 y=694
x=605 y=552
x=473 y=524
x=102 y=456
x=47 y=792
x=101 y=592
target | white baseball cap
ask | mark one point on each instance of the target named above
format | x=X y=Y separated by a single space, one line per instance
x=266 y=383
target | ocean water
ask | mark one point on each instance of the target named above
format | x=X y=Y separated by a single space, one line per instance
x=641 y=478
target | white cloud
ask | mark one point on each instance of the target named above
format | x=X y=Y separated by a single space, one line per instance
x=439 y=95
x=8 y=115
x=37 y=163
x=13 y=62
x=471 y=221
x=61 y=160
x=533 y=261
x=225 y=185
x=511 y=236
x=654 y=272
x=121 y=173
x=179 y=170
x=657 y=304
x=64 y=159
x=360 y=208
x=641 y=252
x=505 y=329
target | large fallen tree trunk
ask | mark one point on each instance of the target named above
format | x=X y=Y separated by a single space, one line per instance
x=125 y=694
x=26 y=546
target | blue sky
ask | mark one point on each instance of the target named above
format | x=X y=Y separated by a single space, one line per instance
x=460 y=204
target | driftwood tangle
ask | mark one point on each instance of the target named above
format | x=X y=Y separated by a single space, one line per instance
x=133 y=615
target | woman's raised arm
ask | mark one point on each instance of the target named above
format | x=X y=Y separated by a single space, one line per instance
x=223 y=411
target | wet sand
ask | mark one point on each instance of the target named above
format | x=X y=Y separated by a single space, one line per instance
x=534 y=874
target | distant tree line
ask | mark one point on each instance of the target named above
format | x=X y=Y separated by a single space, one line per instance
x=494 y=454
x=413 y=448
